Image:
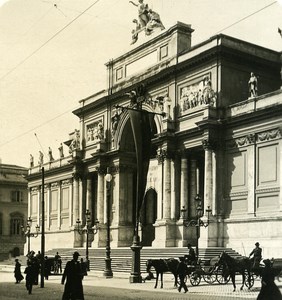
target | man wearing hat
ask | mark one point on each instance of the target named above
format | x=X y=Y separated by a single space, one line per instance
x=191 y=257
x=256 y=253
x=73 y=275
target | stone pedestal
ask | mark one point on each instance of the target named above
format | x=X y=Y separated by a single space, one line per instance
x=164 y=234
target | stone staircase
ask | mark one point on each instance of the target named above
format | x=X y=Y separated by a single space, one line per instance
x=121 y=257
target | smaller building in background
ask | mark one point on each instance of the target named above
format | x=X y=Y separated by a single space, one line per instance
x=13 y=210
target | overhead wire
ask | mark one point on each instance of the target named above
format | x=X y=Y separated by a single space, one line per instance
x=49 y=40
x=73 y=20
x=246 y=17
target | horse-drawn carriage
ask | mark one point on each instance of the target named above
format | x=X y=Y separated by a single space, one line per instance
x=219 y=269
x=194 y=272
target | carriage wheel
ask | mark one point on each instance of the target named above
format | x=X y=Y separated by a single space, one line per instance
x=209 y=278
x=249 y=281
x=195 y=278
x=220 y=278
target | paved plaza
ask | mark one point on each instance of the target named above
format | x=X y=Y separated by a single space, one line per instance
x=118 y=287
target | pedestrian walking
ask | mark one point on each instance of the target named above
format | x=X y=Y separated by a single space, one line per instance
x=18 y=274
x=182 y=272
x=269 y=290
x=73 y=276
x=30 y=275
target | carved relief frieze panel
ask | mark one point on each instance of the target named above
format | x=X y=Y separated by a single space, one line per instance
x=95 y=132
x=269 y=135
x=196 y=94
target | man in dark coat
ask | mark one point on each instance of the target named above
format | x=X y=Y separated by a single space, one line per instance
x=30 y=276
x=257 y=255
x=73 y=275
x=182 y=272
x=191 y=257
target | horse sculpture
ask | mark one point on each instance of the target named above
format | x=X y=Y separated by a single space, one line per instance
x=232 y=265
x=162 y=266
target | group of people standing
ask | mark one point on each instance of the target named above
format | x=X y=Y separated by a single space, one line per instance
x=72 y=276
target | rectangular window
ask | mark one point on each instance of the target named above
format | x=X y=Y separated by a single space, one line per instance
x=17 y=196
x=34 y=204
x=16 y=226
x=54 y=201
x=65 y=199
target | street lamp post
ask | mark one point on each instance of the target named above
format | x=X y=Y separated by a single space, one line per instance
x=108 y=273
x=27 y=232
x=198 y=222
x=88 y=229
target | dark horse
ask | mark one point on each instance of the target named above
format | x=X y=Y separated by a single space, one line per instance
x=232 y=265
x=162 y=266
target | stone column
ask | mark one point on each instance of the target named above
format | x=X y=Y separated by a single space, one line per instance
x=88 y=192
x=184 y=184
x=47 y=206
x=39 y=192
x=194 y=187
x=59 y=205
x=167 y=188
x=208 y=235
x=100 y=197
x=80 y=200
x=160 y=172
x=76 y=198
x=71 y=201
x=29 y=203
x=251 y=174
x=208 y=180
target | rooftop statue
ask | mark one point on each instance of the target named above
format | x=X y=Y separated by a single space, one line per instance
x=40 y=160
x=148 y=20
x=154 y=22
x=51 y=158
x=142 y=12
x=253 y=86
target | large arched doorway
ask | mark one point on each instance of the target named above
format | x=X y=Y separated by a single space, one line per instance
x=148 y=217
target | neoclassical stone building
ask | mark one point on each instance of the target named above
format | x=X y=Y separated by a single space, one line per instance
x=212 y=137
x=13 y=209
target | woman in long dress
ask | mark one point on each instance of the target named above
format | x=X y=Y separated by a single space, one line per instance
x=269 y=290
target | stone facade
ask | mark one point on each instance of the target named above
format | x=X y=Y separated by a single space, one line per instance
x=210 y=139
x=13 y=209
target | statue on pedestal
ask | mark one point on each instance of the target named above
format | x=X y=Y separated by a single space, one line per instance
x=31 y=159
x=61 y=150
x=51 y=158
x=40 y=160
x=253 y=86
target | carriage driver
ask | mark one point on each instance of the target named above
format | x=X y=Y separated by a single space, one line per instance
x=191 y=258
x=257 y=255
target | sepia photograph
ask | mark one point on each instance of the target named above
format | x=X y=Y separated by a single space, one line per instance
x=141 y=149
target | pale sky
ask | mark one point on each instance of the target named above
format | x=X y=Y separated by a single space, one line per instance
x=53 y=55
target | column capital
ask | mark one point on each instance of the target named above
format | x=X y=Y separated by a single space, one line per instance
x=208 y=144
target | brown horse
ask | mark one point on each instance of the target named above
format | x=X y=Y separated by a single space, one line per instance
x=232 y=265
x=162 y=266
